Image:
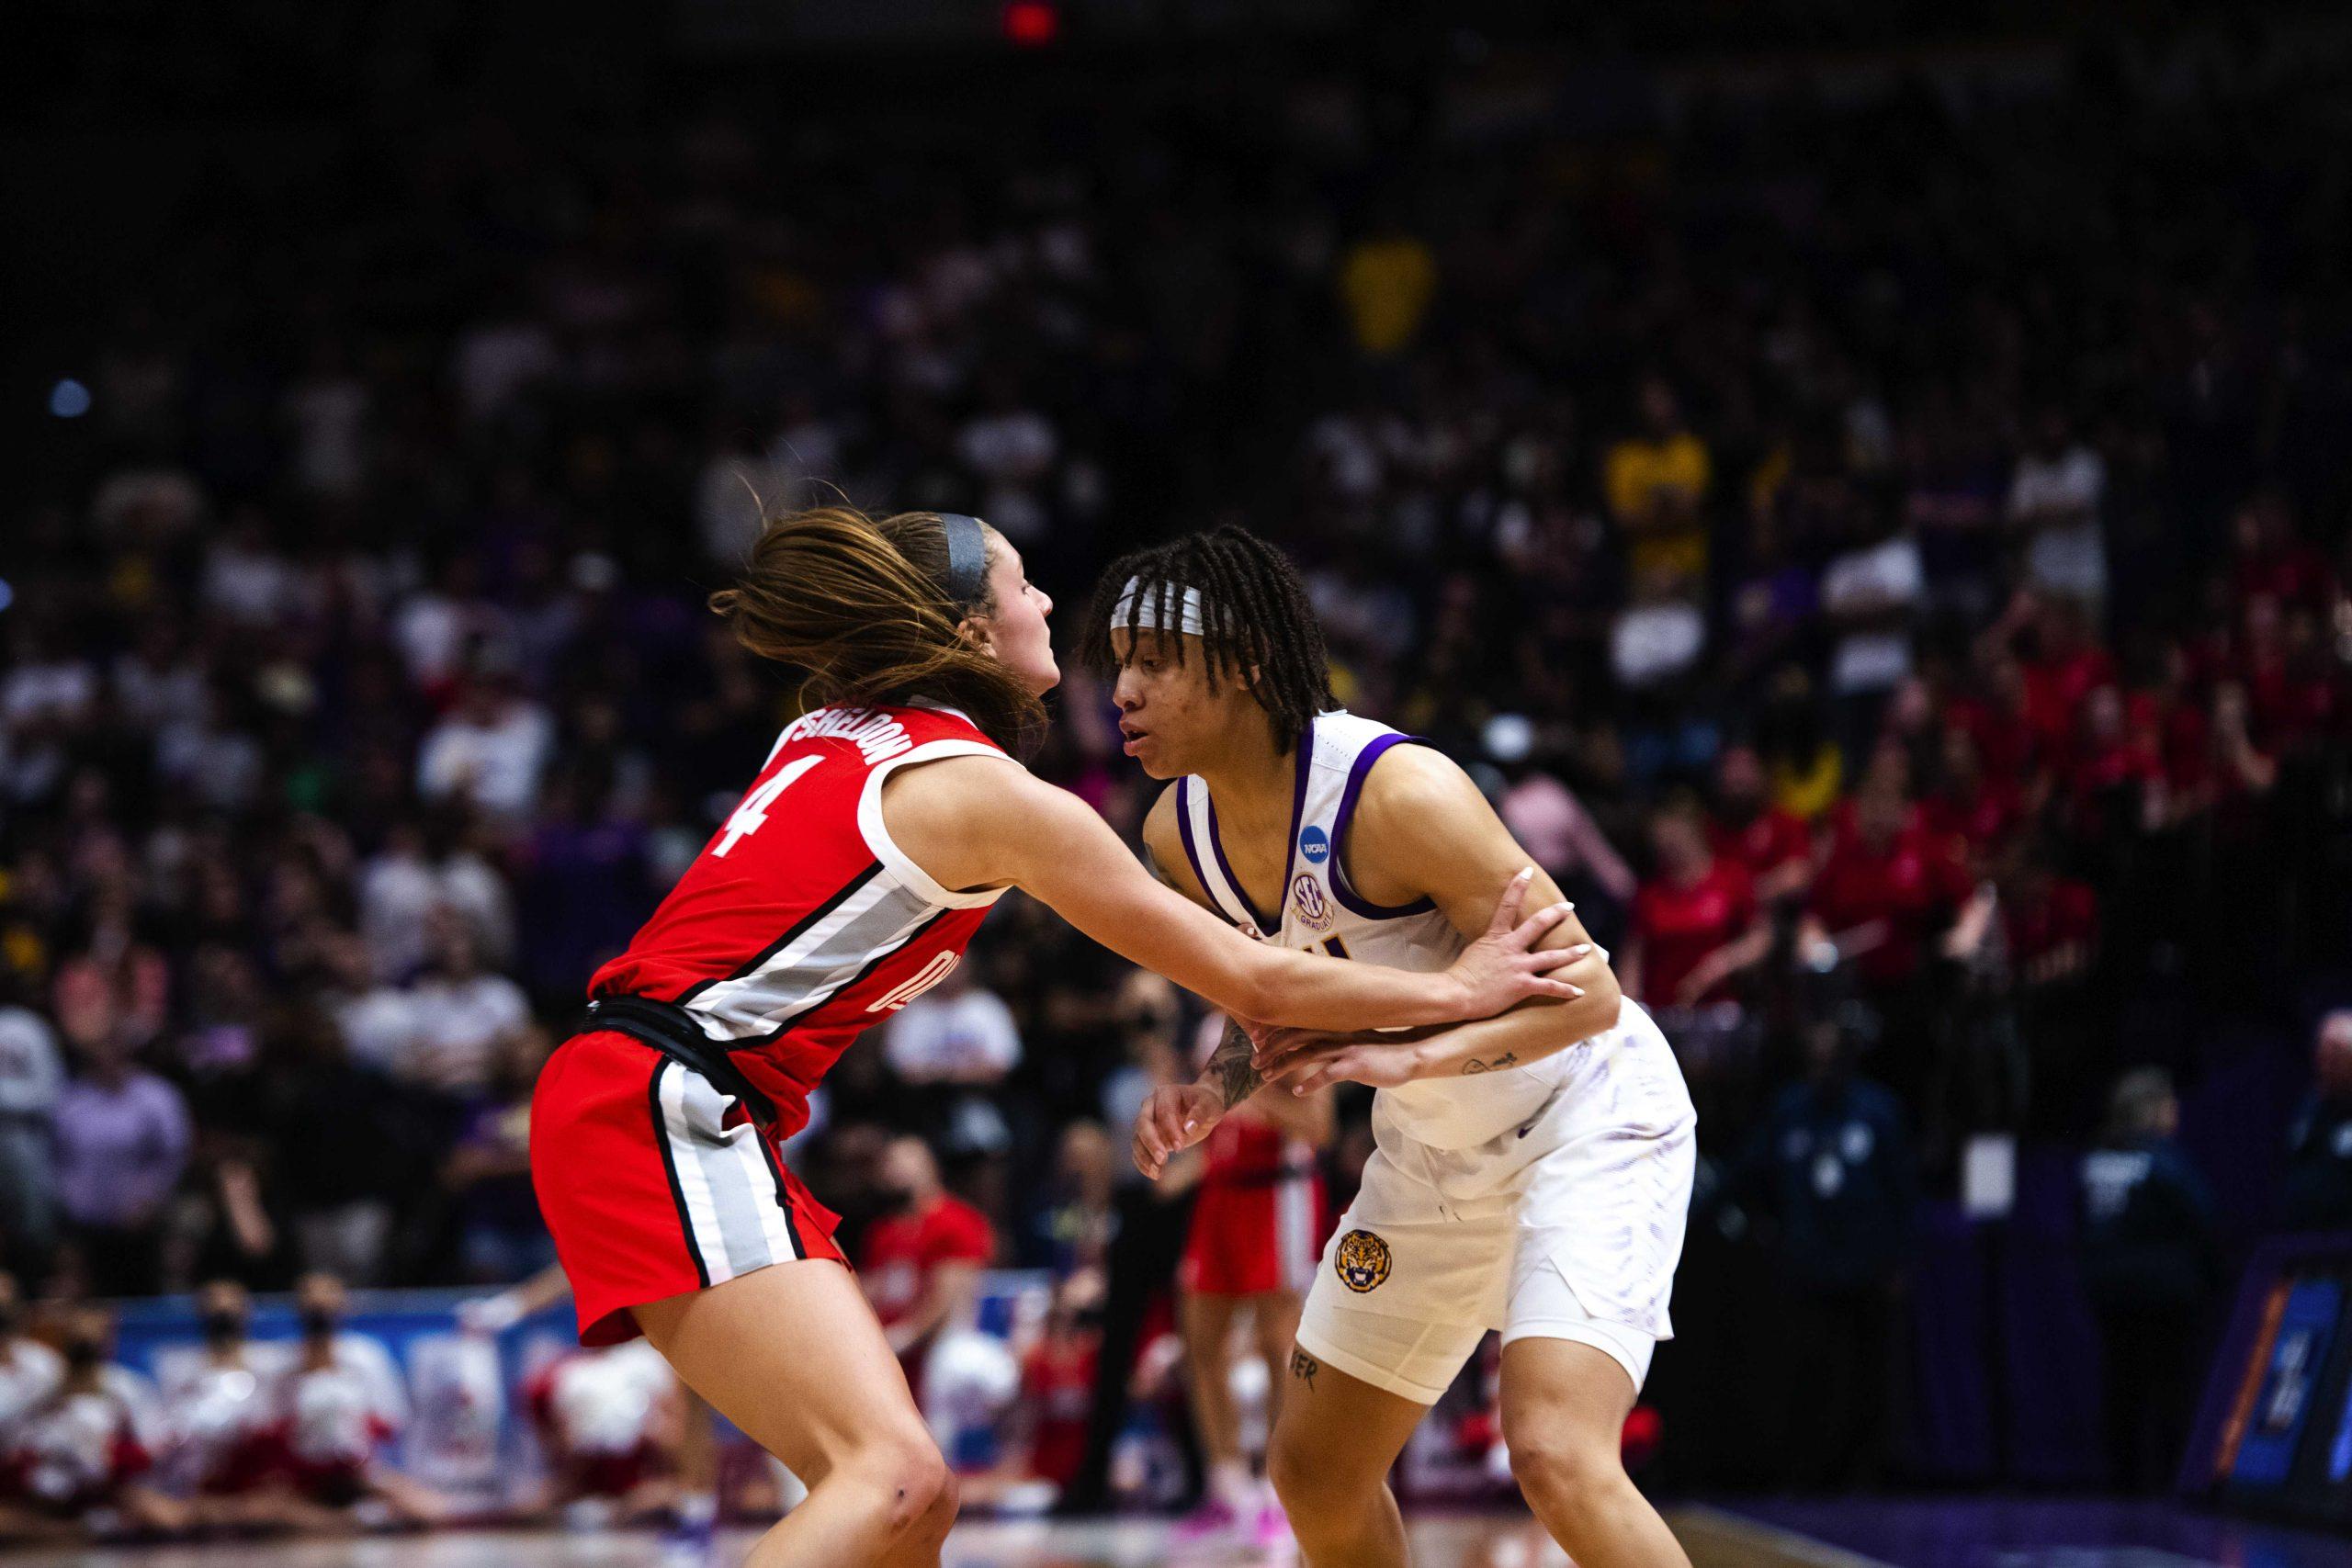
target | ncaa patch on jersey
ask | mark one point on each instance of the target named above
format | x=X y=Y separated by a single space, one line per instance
x=1312 y=904
x=1314 y=845
x=1361 y=1261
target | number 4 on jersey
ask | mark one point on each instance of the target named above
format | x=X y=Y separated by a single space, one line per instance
x=752 y=815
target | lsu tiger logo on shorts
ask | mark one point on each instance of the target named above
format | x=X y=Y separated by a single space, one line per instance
x=1362 y=1261
x=1314 y=906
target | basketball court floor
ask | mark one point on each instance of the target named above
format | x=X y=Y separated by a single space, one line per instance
x=1972 y=1534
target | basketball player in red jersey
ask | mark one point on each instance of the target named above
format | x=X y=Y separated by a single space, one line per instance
x=884 y=823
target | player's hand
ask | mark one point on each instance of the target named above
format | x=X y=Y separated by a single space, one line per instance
x=1304 y=1060
x=1501 y=970
x=1174 y=1118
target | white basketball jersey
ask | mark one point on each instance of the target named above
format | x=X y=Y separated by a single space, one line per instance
x=1320 y=913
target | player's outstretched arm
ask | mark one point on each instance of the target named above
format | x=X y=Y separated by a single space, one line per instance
x=984 y=821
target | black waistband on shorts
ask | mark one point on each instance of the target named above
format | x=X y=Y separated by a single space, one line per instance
x=671 y=1029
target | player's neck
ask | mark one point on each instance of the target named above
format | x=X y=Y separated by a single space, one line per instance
x=1252 y=778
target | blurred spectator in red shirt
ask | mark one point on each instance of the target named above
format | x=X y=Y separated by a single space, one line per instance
x=2269 y=560
x=2066 y=668
x=921 y=1264
x=1975 y=810
x=2285 y=665
x=1766 y=840
x=2112 y=768
x=1885 y=887
x=1694 y=918
x=2052 y=920
x=1997 y=714
x=1057 y=1382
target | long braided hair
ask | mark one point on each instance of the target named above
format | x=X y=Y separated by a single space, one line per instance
x=1259 y=623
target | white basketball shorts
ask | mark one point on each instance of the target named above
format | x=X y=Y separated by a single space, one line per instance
x=1581 y=1245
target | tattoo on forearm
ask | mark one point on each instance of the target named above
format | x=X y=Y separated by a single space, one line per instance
x=1236 y=1078
x=1508 y=1059
x=1304 y=1367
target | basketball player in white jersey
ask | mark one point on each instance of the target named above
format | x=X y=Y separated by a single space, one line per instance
x=1532 y=1172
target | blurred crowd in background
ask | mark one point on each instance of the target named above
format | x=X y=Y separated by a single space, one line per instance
x=1887 y=557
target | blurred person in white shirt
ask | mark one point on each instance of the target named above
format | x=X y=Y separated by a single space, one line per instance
x=32 y=1075
x=226 y=1427
x=344 y=1407
x=489 y=749
x=461 y=1014
x=424 y=866
x=2055 y=497
x=956 y=1032
x=30 y=1370
x=80 y=1460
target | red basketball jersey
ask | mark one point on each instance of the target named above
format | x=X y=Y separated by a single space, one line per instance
x=1244 y=1150
x=801 y=924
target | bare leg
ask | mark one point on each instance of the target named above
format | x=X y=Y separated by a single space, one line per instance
x=1206 y=1322
x=1275 y=1327
x=1563 y=1417
x=692 y=1485
x=697 y=1446
x=1334 y=1442
x=283 y=1507
x=149 y=1509
x=411 y=1502
x=649 y=1499
x=793 y=1355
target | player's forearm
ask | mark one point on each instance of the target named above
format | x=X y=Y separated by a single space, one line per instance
x=1525 y=1035
x=1228 y=1074
x=1304 y=990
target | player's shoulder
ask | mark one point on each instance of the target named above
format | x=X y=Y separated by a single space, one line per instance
x=1415 y=778
x=958 y=786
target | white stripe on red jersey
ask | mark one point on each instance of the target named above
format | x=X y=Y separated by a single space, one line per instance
x=801 y=923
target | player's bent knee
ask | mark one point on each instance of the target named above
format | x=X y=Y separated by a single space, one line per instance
x=909 y=1474
x=1563 y=1471
x=931 y=1529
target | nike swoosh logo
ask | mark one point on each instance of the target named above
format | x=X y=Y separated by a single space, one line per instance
x=1529 y=1128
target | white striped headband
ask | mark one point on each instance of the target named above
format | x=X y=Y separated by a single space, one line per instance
x=1145 y=607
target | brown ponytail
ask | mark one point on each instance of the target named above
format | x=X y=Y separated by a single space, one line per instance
x=857 y=603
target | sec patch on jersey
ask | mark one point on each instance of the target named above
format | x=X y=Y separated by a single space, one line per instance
x=1362 y=1261
x=1311 y=903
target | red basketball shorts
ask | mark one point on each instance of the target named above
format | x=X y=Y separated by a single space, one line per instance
x=1249 y=1240
x=654 y=1183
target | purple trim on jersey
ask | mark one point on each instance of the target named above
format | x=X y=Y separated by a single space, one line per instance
x=1192 y=849
x=1298 y=802
x=1365 y=907
x=1248 y=904
x=1297 y=809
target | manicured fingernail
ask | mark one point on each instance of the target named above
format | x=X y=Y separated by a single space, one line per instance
x=1524 y=872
